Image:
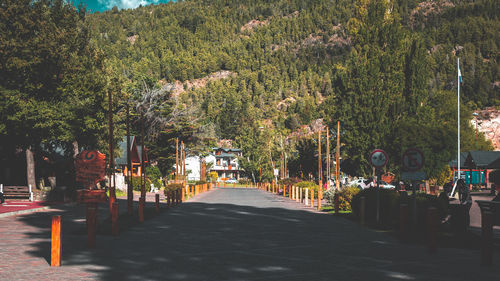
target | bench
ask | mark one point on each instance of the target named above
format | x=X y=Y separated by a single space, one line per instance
x=17 y=191
x=491 y=206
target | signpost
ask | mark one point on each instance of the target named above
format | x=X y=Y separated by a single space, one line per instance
x=91 y=198
x=413 y=161
x=378 y=159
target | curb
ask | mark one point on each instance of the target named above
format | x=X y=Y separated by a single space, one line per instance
x=23 y=212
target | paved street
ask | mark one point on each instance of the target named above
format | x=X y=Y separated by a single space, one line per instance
x=228 y=234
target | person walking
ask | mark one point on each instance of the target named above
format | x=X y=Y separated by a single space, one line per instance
x=465 y=199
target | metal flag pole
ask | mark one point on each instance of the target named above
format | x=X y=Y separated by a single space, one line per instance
x=458 y=125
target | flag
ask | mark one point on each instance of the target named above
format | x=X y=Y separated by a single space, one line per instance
x=459 y=75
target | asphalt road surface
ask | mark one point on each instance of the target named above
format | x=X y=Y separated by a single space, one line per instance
x=241 y=234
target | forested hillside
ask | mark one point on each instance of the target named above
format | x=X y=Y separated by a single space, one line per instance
x=386 y=71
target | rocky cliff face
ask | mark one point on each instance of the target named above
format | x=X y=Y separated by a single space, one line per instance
x=488 y=123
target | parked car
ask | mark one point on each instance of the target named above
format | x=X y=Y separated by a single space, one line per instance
x=385 y=185
x=232 y=180
x=360 y=183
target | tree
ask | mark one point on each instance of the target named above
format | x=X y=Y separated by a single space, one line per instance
x=47 y=83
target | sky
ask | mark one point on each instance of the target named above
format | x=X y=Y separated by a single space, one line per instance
x=104 y=5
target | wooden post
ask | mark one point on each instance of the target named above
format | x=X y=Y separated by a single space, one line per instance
x=91 y=223
x=169 y=198
x=306 y=199
x=320 y=175
x=157 y=203
x=114 y=219
x=487 y=238
x=130 y=190
x=337 y=158
x=312 y=198
x=432 y=229
x=55 y=253
x=141 y=209
x=327 y=159
x=300 y=195
x=176 y=160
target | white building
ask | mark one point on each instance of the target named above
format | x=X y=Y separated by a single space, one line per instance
x=224 y=161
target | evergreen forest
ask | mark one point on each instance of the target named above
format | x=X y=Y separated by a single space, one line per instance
x=265 y=74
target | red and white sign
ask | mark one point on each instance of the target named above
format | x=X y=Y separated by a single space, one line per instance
x=379 y=158
x=413 y=160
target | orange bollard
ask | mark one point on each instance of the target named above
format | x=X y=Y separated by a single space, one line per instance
x=432 y=229
x=141 y=209
x=114 y=219
x=312 y=197
x=55 y=253
x=157 y=203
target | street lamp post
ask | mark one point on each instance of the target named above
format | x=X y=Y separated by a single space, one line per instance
x=475 y=117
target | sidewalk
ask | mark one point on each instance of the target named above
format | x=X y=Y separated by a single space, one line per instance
x=16 y=207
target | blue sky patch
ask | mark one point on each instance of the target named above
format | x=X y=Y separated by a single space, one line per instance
x=104 y=5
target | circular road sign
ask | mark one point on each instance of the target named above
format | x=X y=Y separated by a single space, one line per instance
x=413 y=159
x=378 y=158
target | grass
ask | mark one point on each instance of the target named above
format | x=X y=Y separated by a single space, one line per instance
x=118 y=193
x=331 y=210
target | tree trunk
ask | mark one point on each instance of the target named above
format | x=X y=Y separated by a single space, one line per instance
x=30 y=167
x=75 y=149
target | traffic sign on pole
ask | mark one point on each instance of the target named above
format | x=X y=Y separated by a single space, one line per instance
x=413 y=160
x=378 y=158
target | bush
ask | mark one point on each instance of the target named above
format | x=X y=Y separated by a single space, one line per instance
x=244 y=181
x=153 y=173
x=313 y=187
x=345 y=197
x=200 y=182
x=289 y=181
x=136 y=184
x=213 y=176
x=330 y=196
x=172 y=187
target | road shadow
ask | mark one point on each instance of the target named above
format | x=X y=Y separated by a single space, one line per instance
x=214 y=241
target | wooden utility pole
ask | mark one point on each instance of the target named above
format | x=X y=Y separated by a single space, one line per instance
x=286 y=168
x=176 y=160
x=111 y=162
x=337 y=159
x=184 y=163
x=320 y=173
x=130 y=192
x=143 y=174
x=328 y=168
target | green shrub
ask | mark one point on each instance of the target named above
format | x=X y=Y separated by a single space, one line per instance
x=345 y=197
x=244 y=181
x=313 y=187
x=136 y=184
x=289 y=181
x=200 y=182
x=172 y=187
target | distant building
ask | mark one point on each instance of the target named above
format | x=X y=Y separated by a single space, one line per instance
x=135 y=155
x=224 y=161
